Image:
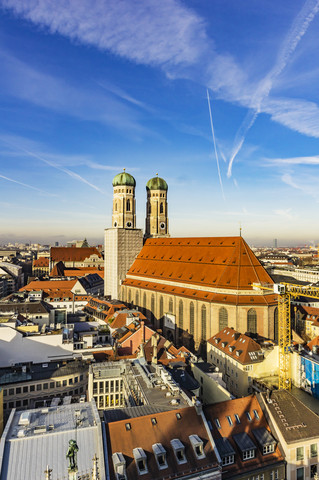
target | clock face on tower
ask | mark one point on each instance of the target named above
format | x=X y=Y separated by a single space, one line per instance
x=162 y=225
x=129 y=224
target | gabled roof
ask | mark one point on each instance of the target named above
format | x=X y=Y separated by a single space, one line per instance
x=221 y=262
x=240 y=435
x=48 y=285
x=240 y=347
x=200 y=268
x=144 y=433
x=72 y=254
x=41 y=262
x=295 y=421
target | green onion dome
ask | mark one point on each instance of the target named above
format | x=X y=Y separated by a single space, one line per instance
x=156 y=183
x=123 y=178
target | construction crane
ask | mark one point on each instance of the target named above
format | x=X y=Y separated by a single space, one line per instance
x=285 y=291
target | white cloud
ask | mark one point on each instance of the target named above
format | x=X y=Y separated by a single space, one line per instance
x=313 y=160
x=149 y=32
x=285 y=213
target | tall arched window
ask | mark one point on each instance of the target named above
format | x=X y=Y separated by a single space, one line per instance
x=129 y=296
x=276 y=325
x=180 y=315
x=136 y=298
x=252 y=321
x=191 y=319
x=161 y=207
x=161 y=307
x=203 y=332
x=170 y=305
x=153 y=304
x=128 y=205
x=115 y=207
x=144 y=300
x=223 y=318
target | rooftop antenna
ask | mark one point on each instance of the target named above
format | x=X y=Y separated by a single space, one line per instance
x=240 y=229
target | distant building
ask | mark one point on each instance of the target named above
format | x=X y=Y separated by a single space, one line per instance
x=76 y=257
x=40 y=266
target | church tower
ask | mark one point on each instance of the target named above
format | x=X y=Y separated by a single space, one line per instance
x=123 y=201
x=156 y=208
x=123 y=241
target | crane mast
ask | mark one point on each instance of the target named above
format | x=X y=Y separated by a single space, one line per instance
x=285 y=291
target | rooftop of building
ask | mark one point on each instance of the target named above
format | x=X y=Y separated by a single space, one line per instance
x=219 y=269
x=159 y=390
x=169 y=431
x=40 y=371
x=72 y=254
x=294 y=419
x=239 y=425
x=40 y=438
x=239 y=346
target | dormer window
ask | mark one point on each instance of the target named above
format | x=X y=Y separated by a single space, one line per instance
x=119 y=464
x=224 y=344
x=245 y=445
x=266 y=441
x=160 y=455
x=140 y=460
x=179 y=451
x=198 y=446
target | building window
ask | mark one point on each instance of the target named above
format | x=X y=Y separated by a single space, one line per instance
x=180 y=315
x=229 y=420
x=65 y=383
x=252 y=321
x=217 y=422
x=25 y=389
x=153 y=304
x=51 y=384
x=45 y=386
x=237 y=418
x=115 y=207
x=229 y=460
x=191 y=319
x=313 y=450
x=144 y=301
x=161 y=207
x=268 y=448
x=39 y=386
x=247 y=454
x=256 y=414
x=300 y=453
x=223 y=318
x=203 y=322
x=11 y=391
x=136 y=298
x=128 y=205
x=18 y=390
x=161 y=307
x=300 y=473
x=32 y=388
x=170 y=305
x=313 y=470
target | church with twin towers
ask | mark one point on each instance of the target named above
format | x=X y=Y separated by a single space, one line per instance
x=189 y=287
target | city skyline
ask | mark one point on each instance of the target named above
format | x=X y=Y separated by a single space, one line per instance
x=87 y=90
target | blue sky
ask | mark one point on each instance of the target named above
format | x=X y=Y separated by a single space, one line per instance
x=89 y=87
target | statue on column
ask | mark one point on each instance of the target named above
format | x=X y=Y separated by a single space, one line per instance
x=71 y=455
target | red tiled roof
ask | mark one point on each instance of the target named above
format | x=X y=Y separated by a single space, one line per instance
x=49 y=285
x=71 y=254
x=144 y=433
x=203 y=295
x=240 y=406
x=41 y=262
x=237 y=346
x=220 y=262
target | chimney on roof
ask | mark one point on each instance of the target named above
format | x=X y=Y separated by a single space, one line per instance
x=198 y=405
x=236 y=335
x=154 y=340
x=268 y=393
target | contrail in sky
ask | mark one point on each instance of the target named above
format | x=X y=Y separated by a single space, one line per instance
x=295 y=34
x=54 y=165
x=24 y=184
x=214 y=141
